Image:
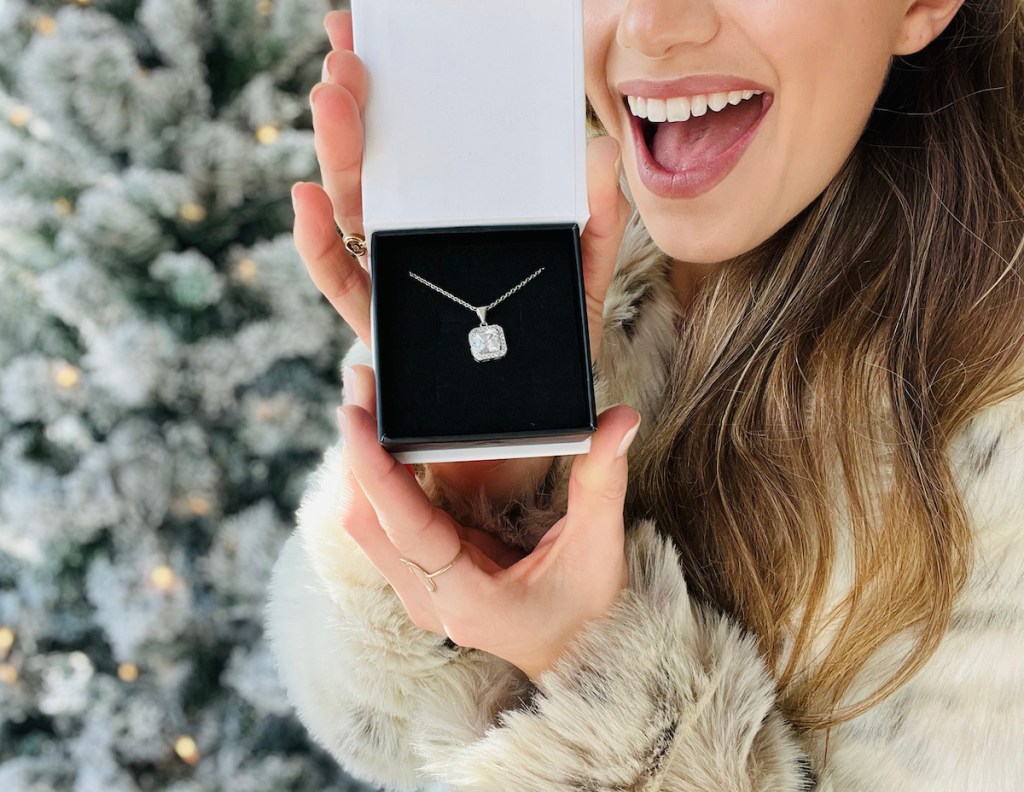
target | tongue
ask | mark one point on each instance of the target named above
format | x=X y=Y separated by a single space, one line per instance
x=679 y=145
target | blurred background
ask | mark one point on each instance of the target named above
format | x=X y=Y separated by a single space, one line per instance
x=168 y=376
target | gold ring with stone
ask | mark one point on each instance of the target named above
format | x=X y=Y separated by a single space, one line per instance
x=355 y=244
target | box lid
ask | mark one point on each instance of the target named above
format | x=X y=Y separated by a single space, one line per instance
x=476 y=112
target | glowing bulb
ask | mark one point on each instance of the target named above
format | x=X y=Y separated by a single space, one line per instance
x=162 y=577
x=247 y=269
x=192 y=212
x=186 y=748
x=67 y=376
x=199 y=505
x=19 y=116
x=128 y=672
x=267 y=134
x=6 y=641
x=46 y=24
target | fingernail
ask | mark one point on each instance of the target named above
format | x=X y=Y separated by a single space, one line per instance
x=294 y=207
x=315 y=91
x=624 y=445
x=348 y=379
x=342 y=421
x=324 y=74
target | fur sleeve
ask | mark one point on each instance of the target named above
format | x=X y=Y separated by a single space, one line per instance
x=657 y=695
x=354 y=666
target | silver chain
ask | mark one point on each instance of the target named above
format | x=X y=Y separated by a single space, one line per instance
x=509 y=293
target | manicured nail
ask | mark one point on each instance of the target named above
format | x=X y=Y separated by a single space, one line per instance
x=342 y=421
x=348 y=379
x=324 y=74
x=294 y=207
x=624 y=445
x=315 y=91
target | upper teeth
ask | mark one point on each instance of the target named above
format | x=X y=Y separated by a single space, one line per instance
x=681 y=108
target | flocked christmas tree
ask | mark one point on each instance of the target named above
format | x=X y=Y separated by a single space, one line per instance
x=168 y=375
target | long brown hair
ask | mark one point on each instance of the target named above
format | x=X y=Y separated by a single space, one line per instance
x=833 y=364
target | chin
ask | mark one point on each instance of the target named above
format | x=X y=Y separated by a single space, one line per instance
x=682 y=246
x=698 y=239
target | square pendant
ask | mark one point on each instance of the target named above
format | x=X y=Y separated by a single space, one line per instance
x=487 y=342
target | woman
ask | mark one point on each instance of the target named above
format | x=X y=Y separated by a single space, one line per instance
x=810 y=574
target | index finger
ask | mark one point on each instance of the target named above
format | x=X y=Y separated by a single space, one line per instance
x=339 y=29
x=345 y=284
x=419 y=531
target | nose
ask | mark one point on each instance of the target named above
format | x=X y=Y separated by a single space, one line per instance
x=654 y=27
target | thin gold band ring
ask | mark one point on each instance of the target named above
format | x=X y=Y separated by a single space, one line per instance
x=425 y=576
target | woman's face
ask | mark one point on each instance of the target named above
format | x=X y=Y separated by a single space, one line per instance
x=720 y=183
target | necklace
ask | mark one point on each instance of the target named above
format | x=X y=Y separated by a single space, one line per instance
x=486 y=342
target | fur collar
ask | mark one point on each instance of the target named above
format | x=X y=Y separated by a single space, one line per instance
x=641 y=316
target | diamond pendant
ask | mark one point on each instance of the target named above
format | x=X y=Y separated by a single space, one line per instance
x=487 y=342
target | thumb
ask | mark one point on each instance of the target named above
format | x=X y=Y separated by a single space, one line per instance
x=598 y=479
x=602 y=237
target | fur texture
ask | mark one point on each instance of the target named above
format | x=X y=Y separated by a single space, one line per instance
x=661 y=694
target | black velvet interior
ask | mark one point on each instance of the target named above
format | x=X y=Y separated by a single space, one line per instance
x=431 y=391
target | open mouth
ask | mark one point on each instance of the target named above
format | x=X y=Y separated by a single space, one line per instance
x=685 y=158
x=678 y=146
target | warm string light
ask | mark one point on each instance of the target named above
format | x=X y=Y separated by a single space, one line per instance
x=265 y=7
x=8 y=674
x=186 y=748
x=62 y=206
x=192 y=212
x=247 y=270
x=6 y=641
x=267 y=134
x=163 y=577
x=128 y=672
x=66 y=376
x=45 y=25
x=19 y=116
x=264 y=410
x=199 y=505
x=274 y=409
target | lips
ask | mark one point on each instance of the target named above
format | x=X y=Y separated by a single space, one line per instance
x=688 y=86
x=692 y=160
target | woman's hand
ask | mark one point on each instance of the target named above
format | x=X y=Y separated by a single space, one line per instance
x=523 y=609
x=338 y=103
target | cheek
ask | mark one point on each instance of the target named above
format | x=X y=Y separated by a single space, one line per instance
x=830 y=60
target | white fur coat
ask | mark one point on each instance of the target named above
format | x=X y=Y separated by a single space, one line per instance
x=661 y=694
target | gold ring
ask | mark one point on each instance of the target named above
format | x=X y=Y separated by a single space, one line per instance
x=425 y=576
x=355 y=244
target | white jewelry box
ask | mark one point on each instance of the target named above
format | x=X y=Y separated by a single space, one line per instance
x=474 y=136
